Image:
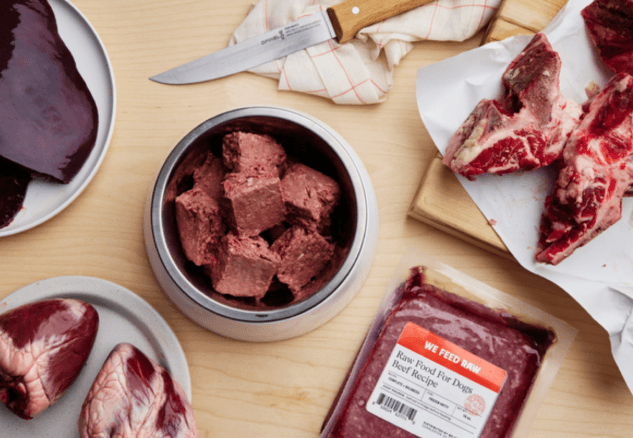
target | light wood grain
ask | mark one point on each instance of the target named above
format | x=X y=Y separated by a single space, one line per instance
x=522 y=17
x=442 y=202
x=282 y=389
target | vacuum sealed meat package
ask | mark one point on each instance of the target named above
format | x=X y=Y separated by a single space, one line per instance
x=447 y=356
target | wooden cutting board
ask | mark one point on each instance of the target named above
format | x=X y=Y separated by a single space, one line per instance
x=441 y=200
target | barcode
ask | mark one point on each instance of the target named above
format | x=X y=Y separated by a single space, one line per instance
x=396 y=406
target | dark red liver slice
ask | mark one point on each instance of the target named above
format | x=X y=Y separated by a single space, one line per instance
x=14 y=181
x=48 y=118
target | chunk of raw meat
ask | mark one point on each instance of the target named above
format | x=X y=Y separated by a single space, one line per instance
x=43 y=347
x=200 y=226
x=133 y=397
x=245 y=266
x=610 y=26
x=244 y=151
x=254 y=202
x=596 y=173
x=48 y=118
x=303 y=255
x=523 y=130
x=310 y=196
x=208 y=177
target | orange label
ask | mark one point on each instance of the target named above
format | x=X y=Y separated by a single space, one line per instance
x=455 y=358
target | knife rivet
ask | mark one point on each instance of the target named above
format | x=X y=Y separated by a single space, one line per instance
x=355 y=10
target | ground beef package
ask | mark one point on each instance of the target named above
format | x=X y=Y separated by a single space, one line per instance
x=448 y=357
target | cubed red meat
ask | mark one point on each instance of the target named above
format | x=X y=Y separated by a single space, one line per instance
x=255 y=202
x=245 y=266
x=303 y=255
x=310 y=196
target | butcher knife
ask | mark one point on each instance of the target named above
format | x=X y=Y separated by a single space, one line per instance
x=341 y=21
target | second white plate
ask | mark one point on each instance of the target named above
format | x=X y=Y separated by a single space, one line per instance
x=123 y=317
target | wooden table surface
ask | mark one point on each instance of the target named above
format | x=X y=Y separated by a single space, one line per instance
x=282 y=389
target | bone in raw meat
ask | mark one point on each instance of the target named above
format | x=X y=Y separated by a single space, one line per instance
x=596 y=173
x=610 y=26
x=43 y=347
x=133 y=397
x=523 y=130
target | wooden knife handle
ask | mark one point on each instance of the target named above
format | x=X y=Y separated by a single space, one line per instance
x=352 y=15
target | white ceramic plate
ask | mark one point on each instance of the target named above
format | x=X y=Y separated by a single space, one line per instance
x=45 y=199
x=123 y=317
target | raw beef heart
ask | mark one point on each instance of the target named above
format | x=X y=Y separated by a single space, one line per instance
x=596 y=173
x=610 y=26
x=43 y=347
x=523 y=130
x=48 y=118
x=133 y=397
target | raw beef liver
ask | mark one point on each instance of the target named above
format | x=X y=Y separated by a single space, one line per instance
x=14 y=181
x=43 y=347
x=496 y=337
x=523 y=130
x=610 y=25
x=133 y=396
x=596 y=173
x=48 y=118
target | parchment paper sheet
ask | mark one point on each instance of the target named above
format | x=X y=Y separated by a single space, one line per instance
x=600 y=274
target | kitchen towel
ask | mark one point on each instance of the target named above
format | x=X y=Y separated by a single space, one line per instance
x=359 y=72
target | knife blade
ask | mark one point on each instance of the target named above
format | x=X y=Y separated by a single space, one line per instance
x=341 y=21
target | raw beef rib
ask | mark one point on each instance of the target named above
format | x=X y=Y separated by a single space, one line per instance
x=610 y=26
x=133 y=397
x=43 y=347
x=596 y=173
x=523 y=130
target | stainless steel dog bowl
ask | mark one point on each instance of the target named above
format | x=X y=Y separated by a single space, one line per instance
x=313 y=143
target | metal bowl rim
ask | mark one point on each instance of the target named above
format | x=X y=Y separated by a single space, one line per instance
x=339 y=146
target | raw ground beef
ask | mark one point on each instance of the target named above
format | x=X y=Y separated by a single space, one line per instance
x=496 y=337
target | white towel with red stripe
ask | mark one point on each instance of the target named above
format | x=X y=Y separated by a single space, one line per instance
x=359 y=72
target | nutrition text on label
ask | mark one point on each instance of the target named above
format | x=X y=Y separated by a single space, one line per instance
x=429 y=389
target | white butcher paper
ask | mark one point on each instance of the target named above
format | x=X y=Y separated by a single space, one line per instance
x=598 y=275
